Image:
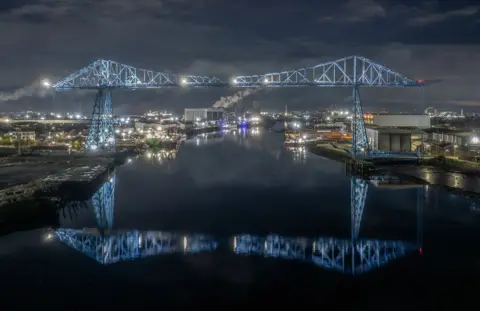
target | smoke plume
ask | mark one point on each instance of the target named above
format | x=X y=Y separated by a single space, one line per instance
x=230 y=101
x=37 y=88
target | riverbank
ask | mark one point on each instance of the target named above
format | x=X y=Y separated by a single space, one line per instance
x=329 y=151
x=460 y=177
x=195 y=131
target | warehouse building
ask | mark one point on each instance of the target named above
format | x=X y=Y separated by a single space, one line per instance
x=204 y=114
x=398 y=120
x=461 y=137
x=395 y=139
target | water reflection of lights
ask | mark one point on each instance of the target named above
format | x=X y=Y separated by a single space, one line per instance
x=255 y=131
x=299 y=154
x=162 y=154
x=352 y=257
x=49 y=237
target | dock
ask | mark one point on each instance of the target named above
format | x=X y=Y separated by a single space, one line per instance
x=77 y=174
x=81 y=175
x=21 y=182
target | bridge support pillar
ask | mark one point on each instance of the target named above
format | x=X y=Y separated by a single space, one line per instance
x=103 y=202
x=359 y=133
x=101 y=136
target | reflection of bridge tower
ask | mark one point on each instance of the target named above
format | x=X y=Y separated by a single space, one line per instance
x=103 y=204
x=358 y=196
x=352 y=256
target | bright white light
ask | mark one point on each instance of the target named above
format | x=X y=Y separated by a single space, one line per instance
x=234 y=81
x=46 y=83
x=475 y=140
x=184 y=81
x=93 y=147
x=266 y=80
x=59 y=116
x=49 y=237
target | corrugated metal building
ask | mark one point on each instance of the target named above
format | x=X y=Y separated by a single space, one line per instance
x=394 y=139
x=398 y=120
x=204 y=114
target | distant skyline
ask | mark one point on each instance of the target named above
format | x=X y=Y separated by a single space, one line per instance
x=432 y=40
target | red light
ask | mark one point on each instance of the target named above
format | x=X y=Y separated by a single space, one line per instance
x=420 y=250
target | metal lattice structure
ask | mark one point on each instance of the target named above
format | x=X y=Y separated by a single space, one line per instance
x=347 y=256
x=347 y=72
x=130 y=245
x=352 y=256
x=101 y=135
x=356 y=257
x=103 y=203
x=106 y=75
x=358 y=195
x=353 y=71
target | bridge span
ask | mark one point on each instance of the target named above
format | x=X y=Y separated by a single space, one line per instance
x=352 y=72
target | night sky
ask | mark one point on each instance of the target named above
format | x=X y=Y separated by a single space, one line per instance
x=431 y=40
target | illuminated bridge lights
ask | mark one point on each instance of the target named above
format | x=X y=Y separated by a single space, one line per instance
x=106 y=75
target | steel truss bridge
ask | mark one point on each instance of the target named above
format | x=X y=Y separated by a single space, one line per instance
x=105 y=75
x=352 y=256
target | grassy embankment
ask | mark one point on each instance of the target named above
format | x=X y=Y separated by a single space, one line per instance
x=329 y=151
x=453 y=164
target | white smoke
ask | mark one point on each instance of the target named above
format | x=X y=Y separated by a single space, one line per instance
x=230 y=101
x=37 y=88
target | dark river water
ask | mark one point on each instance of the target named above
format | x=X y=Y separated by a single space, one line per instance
x=237 y=220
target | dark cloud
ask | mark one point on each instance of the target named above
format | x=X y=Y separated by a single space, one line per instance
x=434 y=40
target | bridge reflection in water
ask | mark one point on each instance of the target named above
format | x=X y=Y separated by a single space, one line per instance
x=352 y=256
